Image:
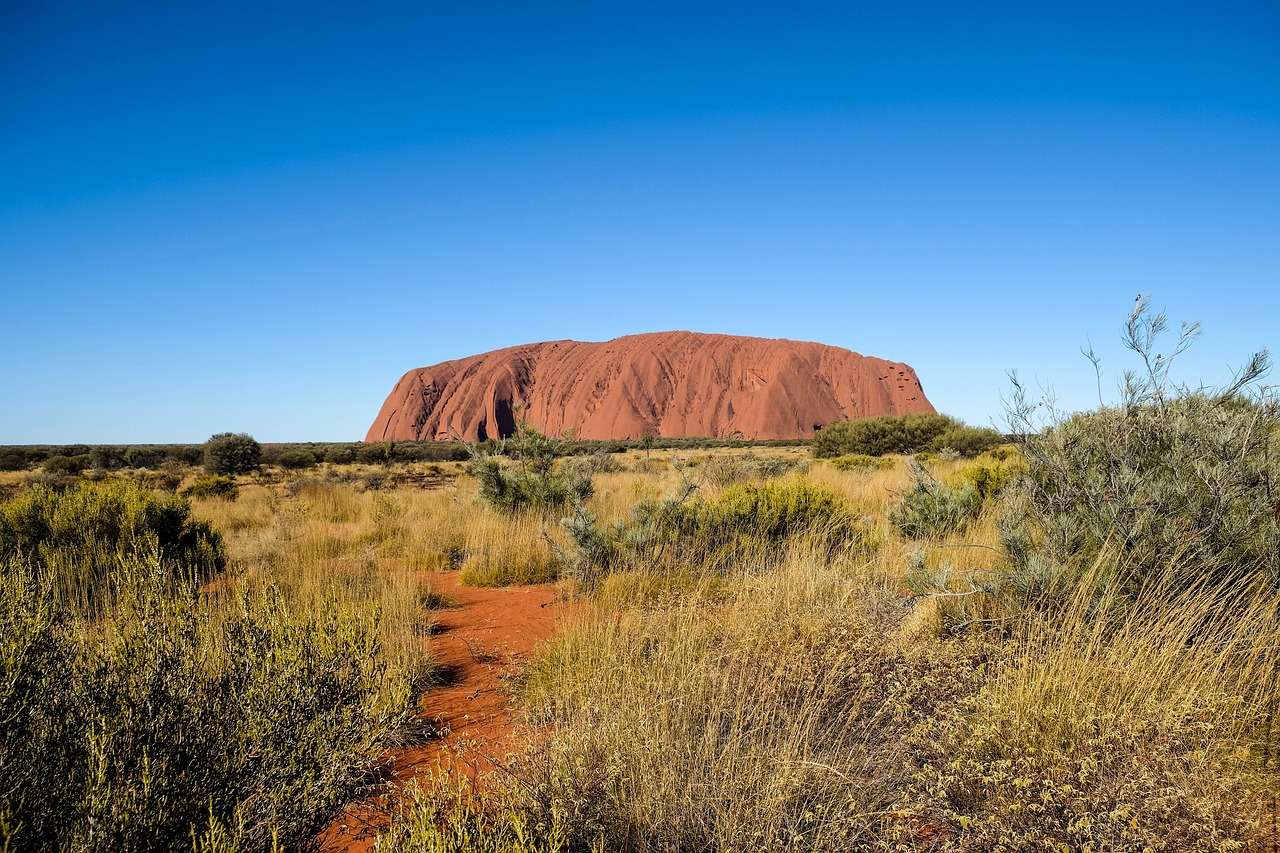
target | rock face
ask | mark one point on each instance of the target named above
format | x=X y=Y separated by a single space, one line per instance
x=671 y=384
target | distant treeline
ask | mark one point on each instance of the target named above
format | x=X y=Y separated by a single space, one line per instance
x=113 y=457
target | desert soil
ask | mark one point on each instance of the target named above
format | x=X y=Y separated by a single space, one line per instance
x=475 y=645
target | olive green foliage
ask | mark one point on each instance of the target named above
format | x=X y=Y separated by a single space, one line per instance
x=861 y=462
x=66 y=464
x=933 y=508
x=341 y=454
x=80 y=535
x=745 y=523
x=297 y=458
x=878 y=436
x=232 y=453
x=213 y=486
x=991 y=472
x=1170 y=476
x=182 y=717
x=966 y=441
x=530 y=477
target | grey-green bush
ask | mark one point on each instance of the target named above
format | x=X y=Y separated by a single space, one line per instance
x=933 y=508
x=534 y=481
x=1170 y=479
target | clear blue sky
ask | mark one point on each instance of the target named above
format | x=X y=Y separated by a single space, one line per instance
x=256 y=216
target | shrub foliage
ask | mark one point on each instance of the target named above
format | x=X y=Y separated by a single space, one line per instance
x=80 y=535
x=176 y=718
x=232 y=453
x=1168 y=477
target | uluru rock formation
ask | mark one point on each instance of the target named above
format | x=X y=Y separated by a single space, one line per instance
x=671 y=384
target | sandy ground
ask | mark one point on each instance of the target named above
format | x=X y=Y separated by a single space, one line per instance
x=475 y=645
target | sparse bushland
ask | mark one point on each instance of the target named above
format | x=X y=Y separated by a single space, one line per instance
x=77 y=537
x=740 y=674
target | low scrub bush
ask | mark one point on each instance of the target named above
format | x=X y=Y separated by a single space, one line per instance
x=296 y=458
x=79 y=536
x=966 y=441
x=861 y=462
x=931 y=508
x=66 y=464
x=180 y=717
x=744 y=524
x=881 y=435
x=213 y=486
x=534 y=480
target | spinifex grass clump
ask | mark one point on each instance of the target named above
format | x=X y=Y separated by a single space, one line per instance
x=1168 y=477
x=768 y=716
x=1153 y=729
x=174 y=715
x=80 y=535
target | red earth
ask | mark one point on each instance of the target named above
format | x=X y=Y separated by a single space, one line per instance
x=669 y=384
x=474 y=645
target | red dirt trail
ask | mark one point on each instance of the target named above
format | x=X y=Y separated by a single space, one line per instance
x=486 y=637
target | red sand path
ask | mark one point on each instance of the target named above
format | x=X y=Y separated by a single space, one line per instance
x=489 y=634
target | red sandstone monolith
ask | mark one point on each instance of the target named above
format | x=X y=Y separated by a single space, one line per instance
x=670 y=384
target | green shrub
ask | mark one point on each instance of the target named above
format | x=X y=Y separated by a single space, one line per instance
x=66 y=464
x=930 y=508
x=179 y=713
x=297 y=458
x=990 y=474
x=745 y=523
x=232 y=453
x=80 y=535
x=213 y=486
x=13 y=460
x=143 y=457
x=881 y=435
x=861 y=462
x=342 y=454
x=375 y=453
x=966 y=440
x=534 y=481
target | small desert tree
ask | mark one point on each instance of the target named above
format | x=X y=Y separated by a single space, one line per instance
x=232 y=453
